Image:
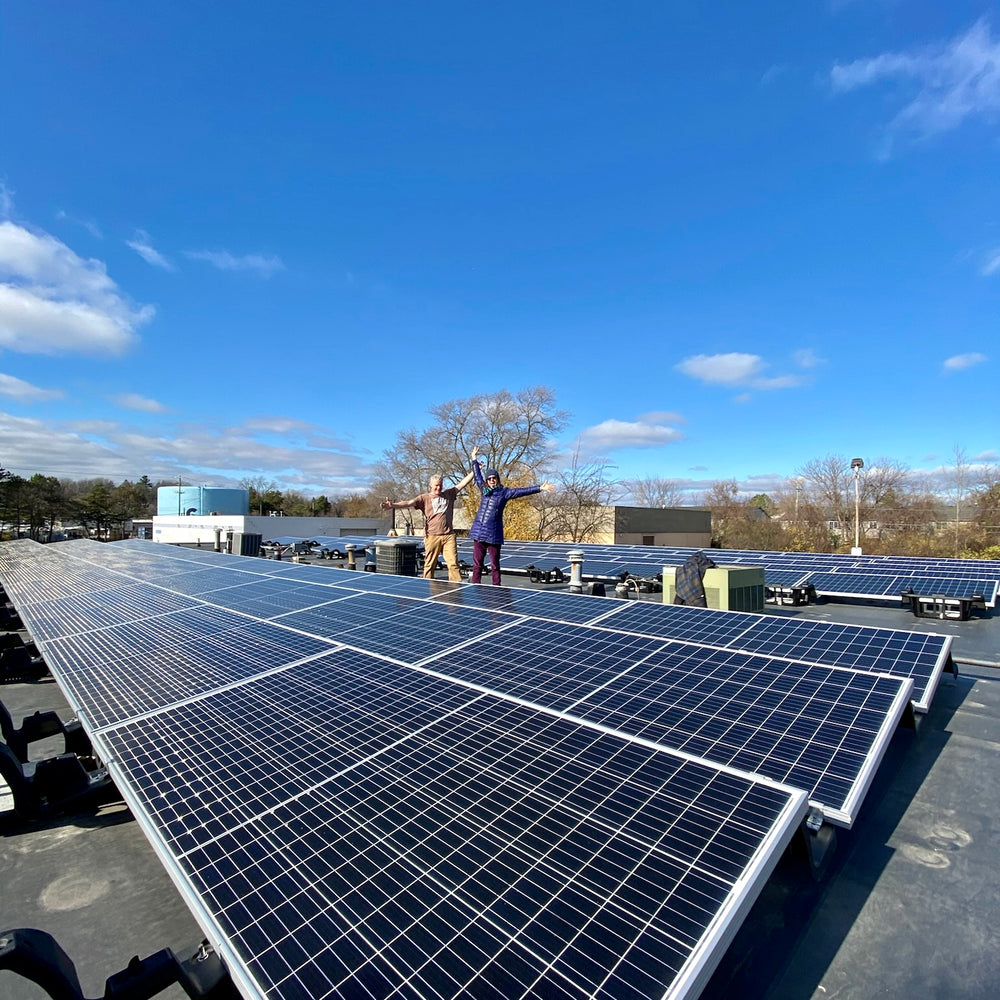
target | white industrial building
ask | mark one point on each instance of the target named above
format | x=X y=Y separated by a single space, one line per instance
x=204 y=515
x=202 y=528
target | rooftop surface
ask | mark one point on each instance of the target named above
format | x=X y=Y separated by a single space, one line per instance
x=906 y=907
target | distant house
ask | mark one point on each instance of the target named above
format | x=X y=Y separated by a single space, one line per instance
x=877 y=524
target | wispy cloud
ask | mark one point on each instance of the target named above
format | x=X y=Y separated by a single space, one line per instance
x=133 y=401
x=959 y=362
x=143 y=246
x=260 y=264
x=54 y=302
x=991 y=265
x=955 y=80
x=91 y=227
x=771 y=74
x=276 y=425
x=808 y=358
x=649 y=431
x=25 y=392
x=735 y=369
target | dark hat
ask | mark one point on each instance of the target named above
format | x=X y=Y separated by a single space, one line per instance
x=491 y=472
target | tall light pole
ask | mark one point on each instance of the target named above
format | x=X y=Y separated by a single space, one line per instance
x=857 y=465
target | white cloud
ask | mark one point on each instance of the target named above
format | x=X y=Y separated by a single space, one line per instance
x=53 y=302
x=954 y=81
x=276 y=425
x=202 y=453
x=225 y=261
x=661 y=417
x=721 y=369
x=959 y=362
x=25 y=392
x=612 y=435
x=133 y=401
x=143 y=246
x=734 y=369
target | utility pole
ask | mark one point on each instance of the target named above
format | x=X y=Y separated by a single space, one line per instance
x=857 y=465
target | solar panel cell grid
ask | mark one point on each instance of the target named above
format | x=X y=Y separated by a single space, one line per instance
x=480 y=827
x=694 y=699
x=122 y=671
x=918 y=656
x=422 y=630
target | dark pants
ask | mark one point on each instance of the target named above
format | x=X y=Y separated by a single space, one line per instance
x=479 y=550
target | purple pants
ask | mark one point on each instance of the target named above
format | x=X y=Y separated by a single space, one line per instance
x=479 y=550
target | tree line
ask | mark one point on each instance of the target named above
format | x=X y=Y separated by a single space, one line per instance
x=893 y=509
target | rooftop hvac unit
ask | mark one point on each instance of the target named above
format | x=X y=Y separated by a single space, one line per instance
x=396 y=555
x=244 y=544
x=727 y=588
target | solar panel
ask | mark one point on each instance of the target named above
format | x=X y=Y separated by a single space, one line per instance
x=554 y=606
x=124 y=670
x=487 y=852
x=885 y=585
x=784 y=577
x=920 y=656
x=345 y=825
x=822 y=729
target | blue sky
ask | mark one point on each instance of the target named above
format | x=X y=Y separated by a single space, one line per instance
x=242 y=239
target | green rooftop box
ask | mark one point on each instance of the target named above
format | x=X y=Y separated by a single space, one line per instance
x=727 y=588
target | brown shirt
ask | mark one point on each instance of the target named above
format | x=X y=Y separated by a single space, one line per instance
x=438 y=511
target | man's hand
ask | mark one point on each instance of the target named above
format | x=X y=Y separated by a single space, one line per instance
x=475 y=452
x=386 y=503
x=548 y=487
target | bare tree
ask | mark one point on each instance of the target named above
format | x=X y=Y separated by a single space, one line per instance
x=723 y=499
x=959 y=490
x=654 y=491
x=513 y=432
x=828 y=485
x=884 y=477
x=261 y=490
x=742 y=523
x=987 y=516
x=577 y=510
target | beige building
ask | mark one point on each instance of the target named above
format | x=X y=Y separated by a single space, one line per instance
x=680 y=526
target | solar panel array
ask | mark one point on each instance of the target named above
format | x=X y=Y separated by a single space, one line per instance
x=830 y=574
x=920 y=656
x=428 y=789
